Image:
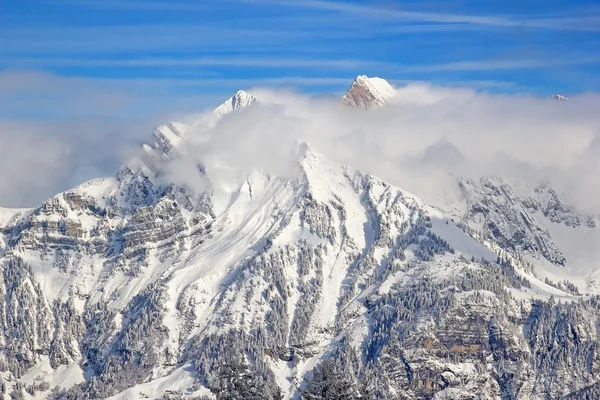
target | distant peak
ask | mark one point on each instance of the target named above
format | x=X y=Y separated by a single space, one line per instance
x=559 y=97
x=240 y=99
x=368 y=92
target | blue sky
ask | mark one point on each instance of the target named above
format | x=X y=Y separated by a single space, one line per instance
x=63 y=58
x=84 y=82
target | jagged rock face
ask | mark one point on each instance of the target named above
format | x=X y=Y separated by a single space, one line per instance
x=518 y=219
x=132 y=285
x=504 y=218
x=368 y=92
x=554 y=207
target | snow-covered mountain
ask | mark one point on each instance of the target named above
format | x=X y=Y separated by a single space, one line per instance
x=324 y=283
x=239 y=100
x=368 y=92
x=559 y=97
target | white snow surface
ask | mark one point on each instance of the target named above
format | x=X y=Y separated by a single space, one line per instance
x=64 y=376
x=181 y=381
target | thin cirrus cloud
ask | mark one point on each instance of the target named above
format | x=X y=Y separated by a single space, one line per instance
x=309 y=63
x=111 y=39
x=267 y=62
x=261 y=39
x=35 y=95
x=389 y=13
x=397 y=13
x=488 y=65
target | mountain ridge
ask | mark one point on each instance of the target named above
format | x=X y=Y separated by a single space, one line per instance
x=135 y=285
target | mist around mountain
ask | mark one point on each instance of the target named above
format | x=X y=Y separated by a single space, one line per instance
x=410 y=242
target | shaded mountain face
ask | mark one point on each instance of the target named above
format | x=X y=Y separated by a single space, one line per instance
x=327 y=283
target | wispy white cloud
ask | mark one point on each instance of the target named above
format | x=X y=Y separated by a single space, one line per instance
x=30 y=94
x=472 y=84
x=264 y=62
x=401 y=13
x=424 y=139
x=115 y=39
x=265 y=35
x=500 y=64
x=37 y=95
x=304 y=63
x=176 y=5
x=389 y=12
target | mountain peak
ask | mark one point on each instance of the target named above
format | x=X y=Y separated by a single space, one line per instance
x=559 y=97
x=368 y=92
x=240 y=99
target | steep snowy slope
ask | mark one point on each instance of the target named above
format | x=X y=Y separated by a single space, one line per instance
x=324 y=279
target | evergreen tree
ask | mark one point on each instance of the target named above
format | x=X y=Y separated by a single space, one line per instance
x=237 y=382
x=329 y=382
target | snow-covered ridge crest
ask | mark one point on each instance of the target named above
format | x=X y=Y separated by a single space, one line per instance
x=368 y=92
x=239 y=100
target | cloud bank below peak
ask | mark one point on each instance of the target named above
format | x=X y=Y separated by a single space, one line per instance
x=425 y=137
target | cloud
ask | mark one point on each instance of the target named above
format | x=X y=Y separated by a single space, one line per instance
x=422 y=142
x=427 y=136
x=40 y=158
x=296 y=63
x=388 y=13
x=34 y=94
x=127 y=39
x=177 y=5
x=57 y=132
x=402 y=14
x=489 y=65
x=29 y=162
x=264 y=62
